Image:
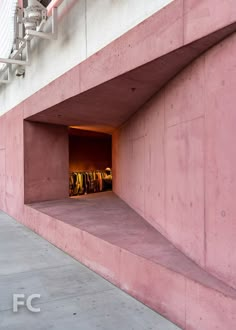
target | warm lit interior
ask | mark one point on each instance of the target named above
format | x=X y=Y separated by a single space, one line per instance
x=90 y=158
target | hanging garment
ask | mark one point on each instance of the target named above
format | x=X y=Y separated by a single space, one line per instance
x=71 y=184
x=76 y=186
x=80 y=183
x=89 y=182
x=99 y=178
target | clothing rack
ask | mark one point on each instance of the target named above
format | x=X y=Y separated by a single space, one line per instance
x=85 y=182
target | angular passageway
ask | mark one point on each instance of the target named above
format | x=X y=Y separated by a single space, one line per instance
x=105 y=234
x=162 y=90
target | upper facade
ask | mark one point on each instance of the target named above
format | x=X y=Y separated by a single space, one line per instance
x=84 y=27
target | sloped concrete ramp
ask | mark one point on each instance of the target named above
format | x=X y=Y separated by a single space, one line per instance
x=72 y=296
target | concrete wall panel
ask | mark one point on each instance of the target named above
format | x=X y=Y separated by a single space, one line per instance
x=185 y=95
x=2 y=179
x=206 y=16
x=170 y=302
x=185 y=187
x=206 y=309
x=122 y=159
x=14 y=163
x=166 y=164
x=221 y=160
x=46 y=160
x=135 y=174
x=196 y=171
x=2 y=162
x=154 y=161
x=2 y=132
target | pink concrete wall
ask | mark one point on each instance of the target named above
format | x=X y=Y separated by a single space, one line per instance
x=11 y=163
x=2 y=161
x=46 y=159
x=174 y=162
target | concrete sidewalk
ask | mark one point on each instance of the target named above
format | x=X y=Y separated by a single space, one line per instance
x=72 y=296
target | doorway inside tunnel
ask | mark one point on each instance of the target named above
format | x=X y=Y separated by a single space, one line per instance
x=62 y=161
x=90 y=162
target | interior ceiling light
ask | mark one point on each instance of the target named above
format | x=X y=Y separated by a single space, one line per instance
x=7 y=23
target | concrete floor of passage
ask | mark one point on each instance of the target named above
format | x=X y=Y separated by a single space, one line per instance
x=107 y=217
x=72 y=296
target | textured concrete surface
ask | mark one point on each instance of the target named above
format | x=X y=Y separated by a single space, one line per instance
x=181 y=161
x=105 y=234
x=107 y=217
x=72 y=296
x=115 y=82
x=45 y=142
